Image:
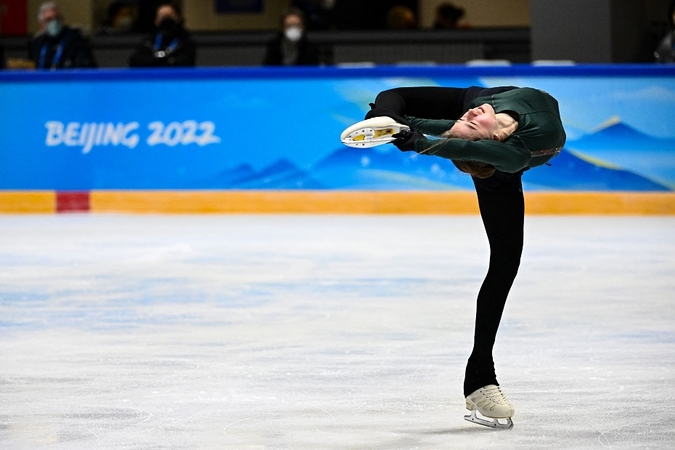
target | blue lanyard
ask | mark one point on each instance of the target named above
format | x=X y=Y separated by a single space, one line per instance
x=57 y=55
x=158 y=43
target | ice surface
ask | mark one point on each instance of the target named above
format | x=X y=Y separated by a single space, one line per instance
x=328 y=332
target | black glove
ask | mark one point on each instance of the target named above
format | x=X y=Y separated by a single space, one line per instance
x=405 y=140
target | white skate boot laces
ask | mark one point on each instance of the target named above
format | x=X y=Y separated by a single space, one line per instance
x=491 y=403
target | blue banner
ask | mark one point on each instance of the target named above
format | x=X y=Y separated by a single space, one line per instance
x=264 y=128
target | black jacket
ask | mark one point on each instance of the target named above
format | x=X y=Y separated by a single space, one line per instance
x=308 y=53
x=67 y=50
x=174 y=49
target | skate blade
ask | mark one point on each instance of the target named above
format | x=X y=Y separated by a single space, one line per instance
x=366 y=142
x=369 y=137
x=489 y=422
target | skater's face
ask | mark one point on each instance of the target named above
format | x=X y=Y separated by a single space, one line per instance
x=477 y=123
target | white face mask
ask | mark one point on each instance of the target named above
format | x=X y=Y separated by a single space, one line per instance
x=54 y=27
x=293 y=34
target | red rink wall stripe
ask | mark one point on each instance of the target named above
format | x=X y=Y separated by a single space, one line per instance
x=73 y=201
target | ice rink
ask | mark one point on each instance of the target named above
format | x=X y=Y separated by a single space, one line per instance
x=328 y=332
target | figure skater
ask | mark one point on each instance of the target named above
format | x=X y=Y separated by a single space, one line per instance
x=494 y=134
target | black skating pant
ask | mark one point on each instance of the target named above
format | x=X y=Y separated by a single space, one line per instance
x=502 y=209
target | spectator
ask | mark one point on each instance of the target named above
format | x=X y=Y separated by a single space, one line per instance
x=290 y=47
x=56 y=45
x=120 y=19
x=401 y=18
x=447 y=16
x=170 y=46
x=665 y=52
x=3 y=64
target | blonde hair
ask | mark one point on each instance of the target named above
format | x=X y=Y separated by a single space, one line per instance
x=473 y=168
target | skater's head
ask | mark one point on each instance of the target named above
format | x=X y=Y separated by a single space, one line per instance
x=476 y=124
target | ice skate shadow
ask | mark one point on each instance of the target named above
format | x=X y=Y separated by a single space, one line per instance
x=456 y=431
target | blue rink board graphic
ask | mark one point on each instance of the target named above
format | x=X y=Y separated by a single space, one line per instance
x=279 y=129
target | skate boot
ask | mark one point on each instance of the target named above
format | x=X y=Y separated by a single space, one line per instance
x=491 y=403
x=371 y=132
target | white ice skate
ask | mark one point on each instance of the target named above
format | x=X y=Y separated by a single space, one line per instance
x=371 y=132
x=491 y=403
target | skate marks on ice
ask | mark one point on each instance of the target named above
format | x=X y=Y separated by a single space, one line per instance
x=70 y=427
x=349 y=332
x=599 y=355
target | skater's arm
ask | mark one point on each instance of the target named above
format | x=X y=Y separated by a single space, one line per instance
x=430 y=126
x=504 y=157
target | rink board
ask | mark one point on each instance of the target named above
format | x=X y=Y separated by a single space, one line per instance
x=267 y=140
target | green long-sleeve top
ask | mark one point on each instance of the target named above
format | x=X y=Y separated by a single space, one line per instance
x=539 y=136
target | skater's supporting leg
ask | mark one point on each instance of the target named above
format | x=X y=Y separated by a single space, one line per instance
x=502 y=209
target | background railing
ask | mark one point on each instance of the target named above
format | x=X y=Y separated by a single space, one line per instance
x=381 y=47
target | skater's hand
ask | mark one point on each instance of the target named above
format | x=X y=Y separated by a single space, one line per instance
x=405 y=140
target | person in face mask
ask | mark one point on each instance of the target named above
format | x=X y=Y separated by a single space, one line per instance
x=120 y=19
x=3 y=64
x=169 y=46
x=290 y=47
x=56 y=45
